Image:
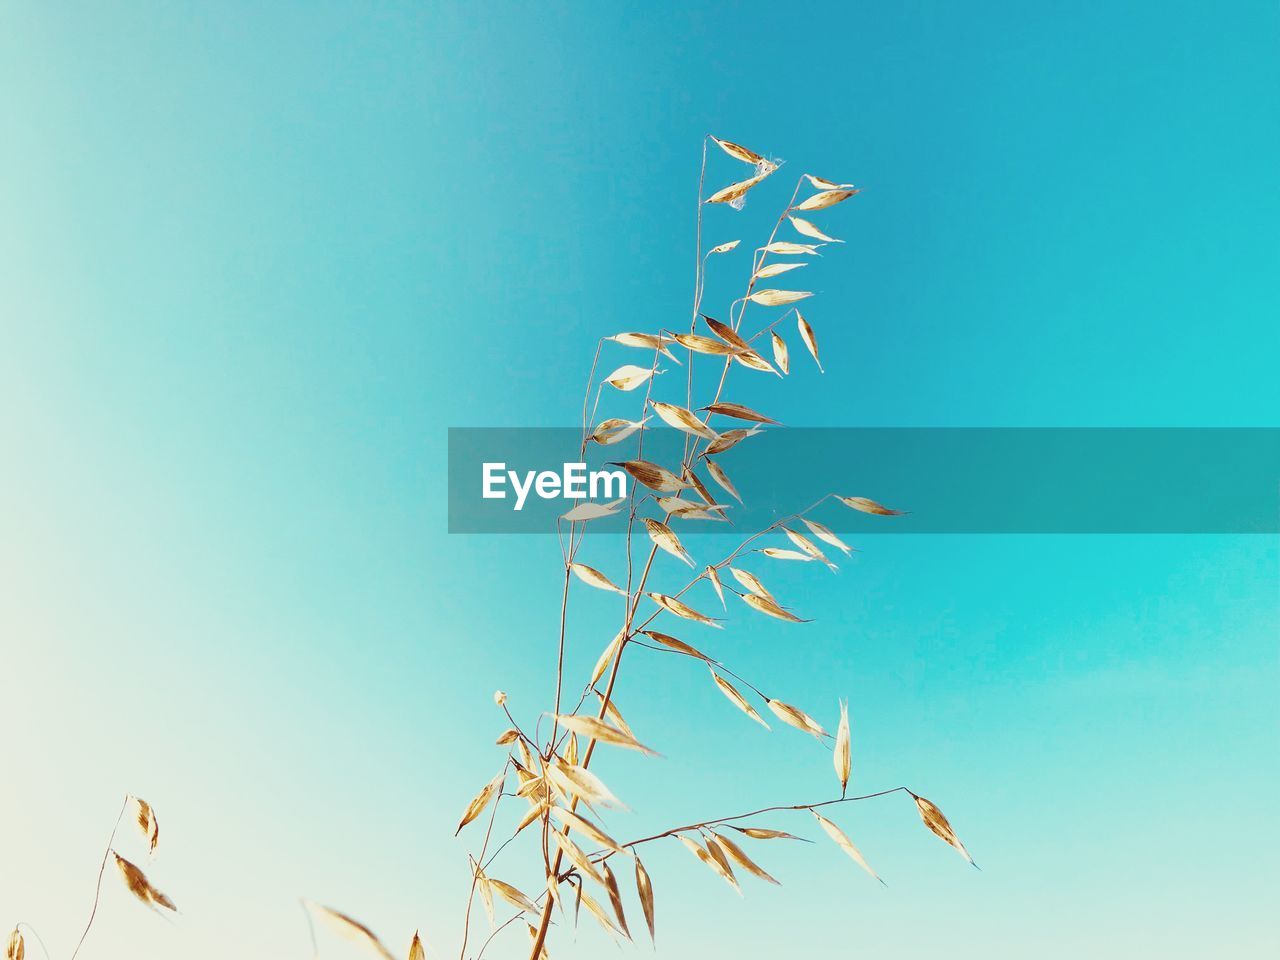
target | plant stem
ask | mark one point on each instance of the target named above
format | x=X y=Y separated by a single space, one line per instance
x=544 y=921
x=466 y=920
x=97 y=890
x=35 y=933
x=743 y=816
x=689 y=456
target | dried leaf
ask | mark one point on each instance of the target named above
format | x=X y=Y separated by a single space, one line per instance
x=629 y=376
x=582 y=783
x=820 y=184
x=480 y=801
x=752 y=583
x=777 y=553
x=738 y=854
x=678 y=645
x=778 y=298
x=17 y=948
x=770 y=607
x=594 y=578
x=776 y=269
x=780 y=356
x=351 y=929
x=140 y=886
x=736 y=191
x=806 y=334
x=935 y=820
x=652 y=476
x=614 y=715
x=591 y=511
x=807 y=545
x=682 y=419
x=722 y=478
x=597 y=911
x=753 y=361
x=737 y=699
x=763 y=833
x=615 y=897
x=717 y=853
x=702 y=512
x=700 y=344
x=796 y=717
x=688 y=510
x=696 y=849
x=586 y=828
x=595 y=729
x=728 y=440
x=577 y=857
x=687 y=473
x=526 y=758
x=607 y=657
x=513 y=896
x=507 y=736
x=739 y=412
x=864 y=505
x=666 y=540
x=416 y=951
x=738 y=152
x=811 y=230
x=614 y=430
x=826 y=535
x=726 y=333
x=533 y=787
x=644 y=888
x=725 y=247
x=787 y=248
x=838 y=835
x=841 y=758
x=147 y=822
x=644 y=341
x=827 y=198
x=714 y=576
x=672 y=605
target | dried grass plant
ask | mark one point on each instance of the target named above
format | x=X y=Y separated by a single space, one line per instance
x=548 y=778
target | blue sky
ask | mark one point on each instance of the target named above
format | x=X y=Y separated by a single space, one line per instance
x=258 y=259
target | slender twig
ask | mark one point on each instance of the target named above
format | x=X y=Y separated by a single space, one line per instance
x=97 y=890
x=699 y=282
x=586 y=421
x=498 y=929
x=701 y=824
x=564 y=610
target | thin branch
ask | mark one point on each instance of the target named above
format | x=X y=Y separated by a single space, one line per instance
x=97 y=890
x=755 y=813
x=498 y=929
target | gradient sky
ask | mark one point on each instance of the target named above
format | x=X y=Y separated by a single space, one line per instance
x=256 y=258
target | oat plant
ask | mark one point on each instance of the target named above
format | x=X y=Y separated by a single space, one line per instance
x=545 y=784
x=548 y=779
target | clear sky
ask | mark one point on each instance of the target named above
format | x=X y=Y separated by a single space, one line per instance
x=256 y=258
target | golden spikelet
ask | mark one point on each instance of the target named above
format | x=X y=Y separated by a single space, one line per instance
x=140 y=886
